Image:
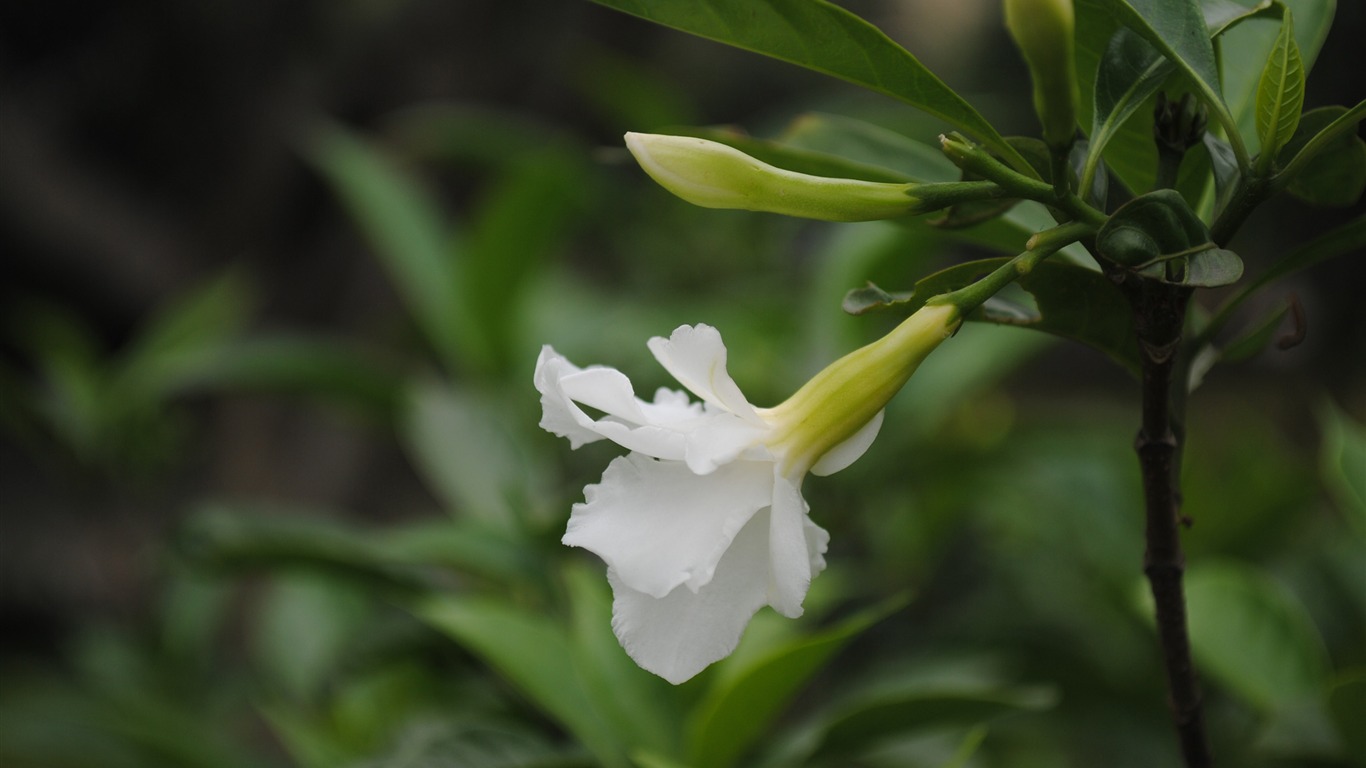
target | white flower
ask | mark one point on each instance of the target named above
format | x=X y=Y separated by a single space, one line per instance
x=704 y=523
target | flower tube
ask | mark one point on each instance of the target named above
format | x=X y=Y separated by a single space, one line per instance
x=703 y=522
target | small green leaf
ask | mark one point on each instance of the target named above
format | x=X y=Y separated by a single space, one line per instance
x=1280 y=94
x=1254 y=636
x=745 y=701
x=1212 y=267
x=1160 y=237
x=1245 y=49
x=828 y=39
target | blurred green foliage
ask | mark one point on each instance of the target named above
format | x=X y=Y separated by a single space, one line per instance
x=983 y=605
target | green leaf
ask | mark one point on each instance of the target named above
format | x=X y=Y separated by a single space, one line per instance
x=518 y=221
x=1177 y=29
x=1245 y=49
x=468 y=452
x=408 y=235
x=1069 y=301
x=893 y=703
x=828 y=39
x=744 y=702
x=1159 y=236
x=1346 y=702
x=209 y=315
x=302 y=629
x=1222 y=15
x=1130 y=73
x=1341 y=457
x=1212 y=268
x=319 y=369
x=533 y=652
x=1324 y=163
x=640 y=706
x=1253 y=636
x=1280 y=94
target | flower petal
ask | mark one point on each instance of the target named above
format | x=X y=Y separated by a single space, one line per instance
x=850 y=450
x=658 y=525
x=656 y=429
x=696 y=357
x=720 y=438
x=559 y=415
x=678 y=635
x=796 y=546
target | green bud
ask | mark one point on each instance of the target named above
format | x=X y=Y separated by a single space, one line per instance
x=1043 y=31
x=714 y=175
x=840 y=400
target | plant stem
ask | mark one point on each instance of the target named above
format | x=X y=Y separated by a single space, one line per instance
x=1159 y=315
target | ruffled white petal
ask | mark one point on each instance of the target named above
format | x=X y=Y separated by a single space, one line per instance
x=678 y=635
x=696 y=357
x=850 y=450
x=657 y=525
x=559 y=415
x=790 y=560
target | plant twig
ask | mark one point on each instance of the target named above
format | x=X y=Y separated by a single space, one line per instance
x=1159 y=315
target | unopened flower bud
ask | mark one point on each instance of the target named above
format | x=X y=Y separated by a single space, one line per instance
x=1043 y=29
x=714 y=175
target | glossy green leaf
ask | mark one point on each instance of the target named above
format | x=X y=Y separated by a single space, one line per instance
x=1245 y=49
x=1177 y=29
x=1324 y=163
x=826 y=38
x=1130 y=73
x=1159 y=236
x=533 y=652
x=1253 y=636
x=1069 y=301
x=409 y=237
x=1280 y=93
x=745 y=701
x=1212 y=268
x=1222 y=15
